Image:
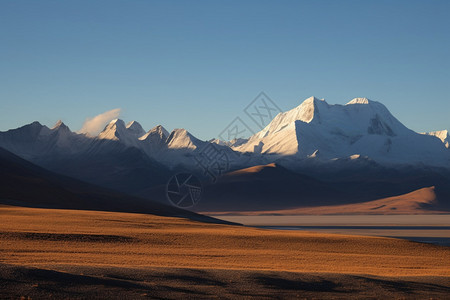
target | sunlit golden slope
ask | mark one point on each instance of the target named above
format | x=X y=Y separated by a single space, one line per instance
x=57 y=238
x=417 y=202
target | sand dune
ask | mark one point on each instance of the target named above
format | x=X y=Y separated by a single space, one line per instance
x=272 y=188
x=87 y=242
x=416 y=202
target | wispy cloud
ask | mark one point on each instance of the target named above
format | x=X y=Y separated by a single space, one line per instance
x=93 y=126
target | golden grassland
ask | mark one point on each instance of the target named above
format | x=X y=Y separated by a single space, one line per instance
x=62 y=240
x=37 y=237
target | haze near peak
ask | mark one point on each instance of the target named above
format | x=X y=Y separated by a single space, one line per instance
x=93 y=126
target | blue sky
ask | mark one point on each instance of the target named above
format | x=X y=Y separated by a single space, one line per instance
x=197 y=64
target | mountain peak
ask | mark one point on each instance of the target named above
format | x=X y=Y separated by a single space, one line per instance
x=335 y=130
x=314 y=99
x=179 y=132
x=133 y=125
x=181 y=138
x=117 y=122
x=443 y=135
x=135 y=128
x=311 y=102
x=113 y=130
x=60 y=125
x=360 y=101
x=158 y=131
x=34 y=124
x=308 y=110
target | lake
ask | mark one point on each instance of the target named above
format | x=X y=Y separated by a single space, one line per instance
x=420 y=228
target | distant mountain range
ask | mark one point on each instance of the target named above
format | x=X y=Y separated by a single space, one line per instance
x=25 y=184
x=361 y=128
x=332 y=144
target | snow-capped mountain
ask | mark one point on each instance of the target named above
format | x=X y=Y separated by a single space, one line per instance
x=182 y=139
x=233 y=143
x=362 y=127
x=135 y=129
x=153 y=141
x=116 y=131
x=443 y=135
x=314 y=137
x=35 y=141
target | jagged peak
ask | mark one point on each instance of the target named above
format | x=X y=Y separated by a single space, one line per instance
x=314 y=99
x=117 y=123
x=439 y=132
x=217 y=141
x=310 y=102
x=133 y=124
x=365 y=101
x=181 y=138
x=179 y=132
x=33 y=127
x=443 y=135
x=60 y=125
x=359 y=101
x=112 y=130
x=35 y=123
x=307 y=111
x=135 y=128
x=158 y=130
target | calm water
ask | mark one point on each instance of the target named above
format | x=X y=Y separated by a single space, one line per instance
x=420 y=228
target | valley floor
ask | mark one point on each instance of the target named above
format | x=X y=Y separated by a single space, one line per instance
x=90 y=254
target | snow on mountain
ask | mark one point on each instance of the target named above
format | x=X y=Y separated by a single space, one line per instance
x=135 y=129
x=182 y=139
x=154 y=140
x=157 y=134
x=443 y=135
x=219 y=142
x=62 y=135
x=117 y=131
x=233 y=143
x=316 y=129
x=151 y=142
x=36 y=140
x=59 y=125
x=360 y=132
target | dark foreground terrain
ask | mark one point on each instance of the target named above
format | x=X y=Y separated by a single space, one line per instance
x=162 y=283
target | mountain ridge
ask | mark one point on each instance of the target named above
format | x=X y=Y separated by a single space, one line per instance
x=327 y=142
x=364 y=127
x=25 y=184
x=313 y=129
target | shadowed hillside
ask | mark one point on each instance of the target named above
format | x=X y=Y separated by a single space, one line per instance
x=273 y=187
x=25 y=184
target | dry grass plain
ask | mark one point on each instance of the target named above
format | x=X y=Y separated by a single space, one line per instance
x=91 y=254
